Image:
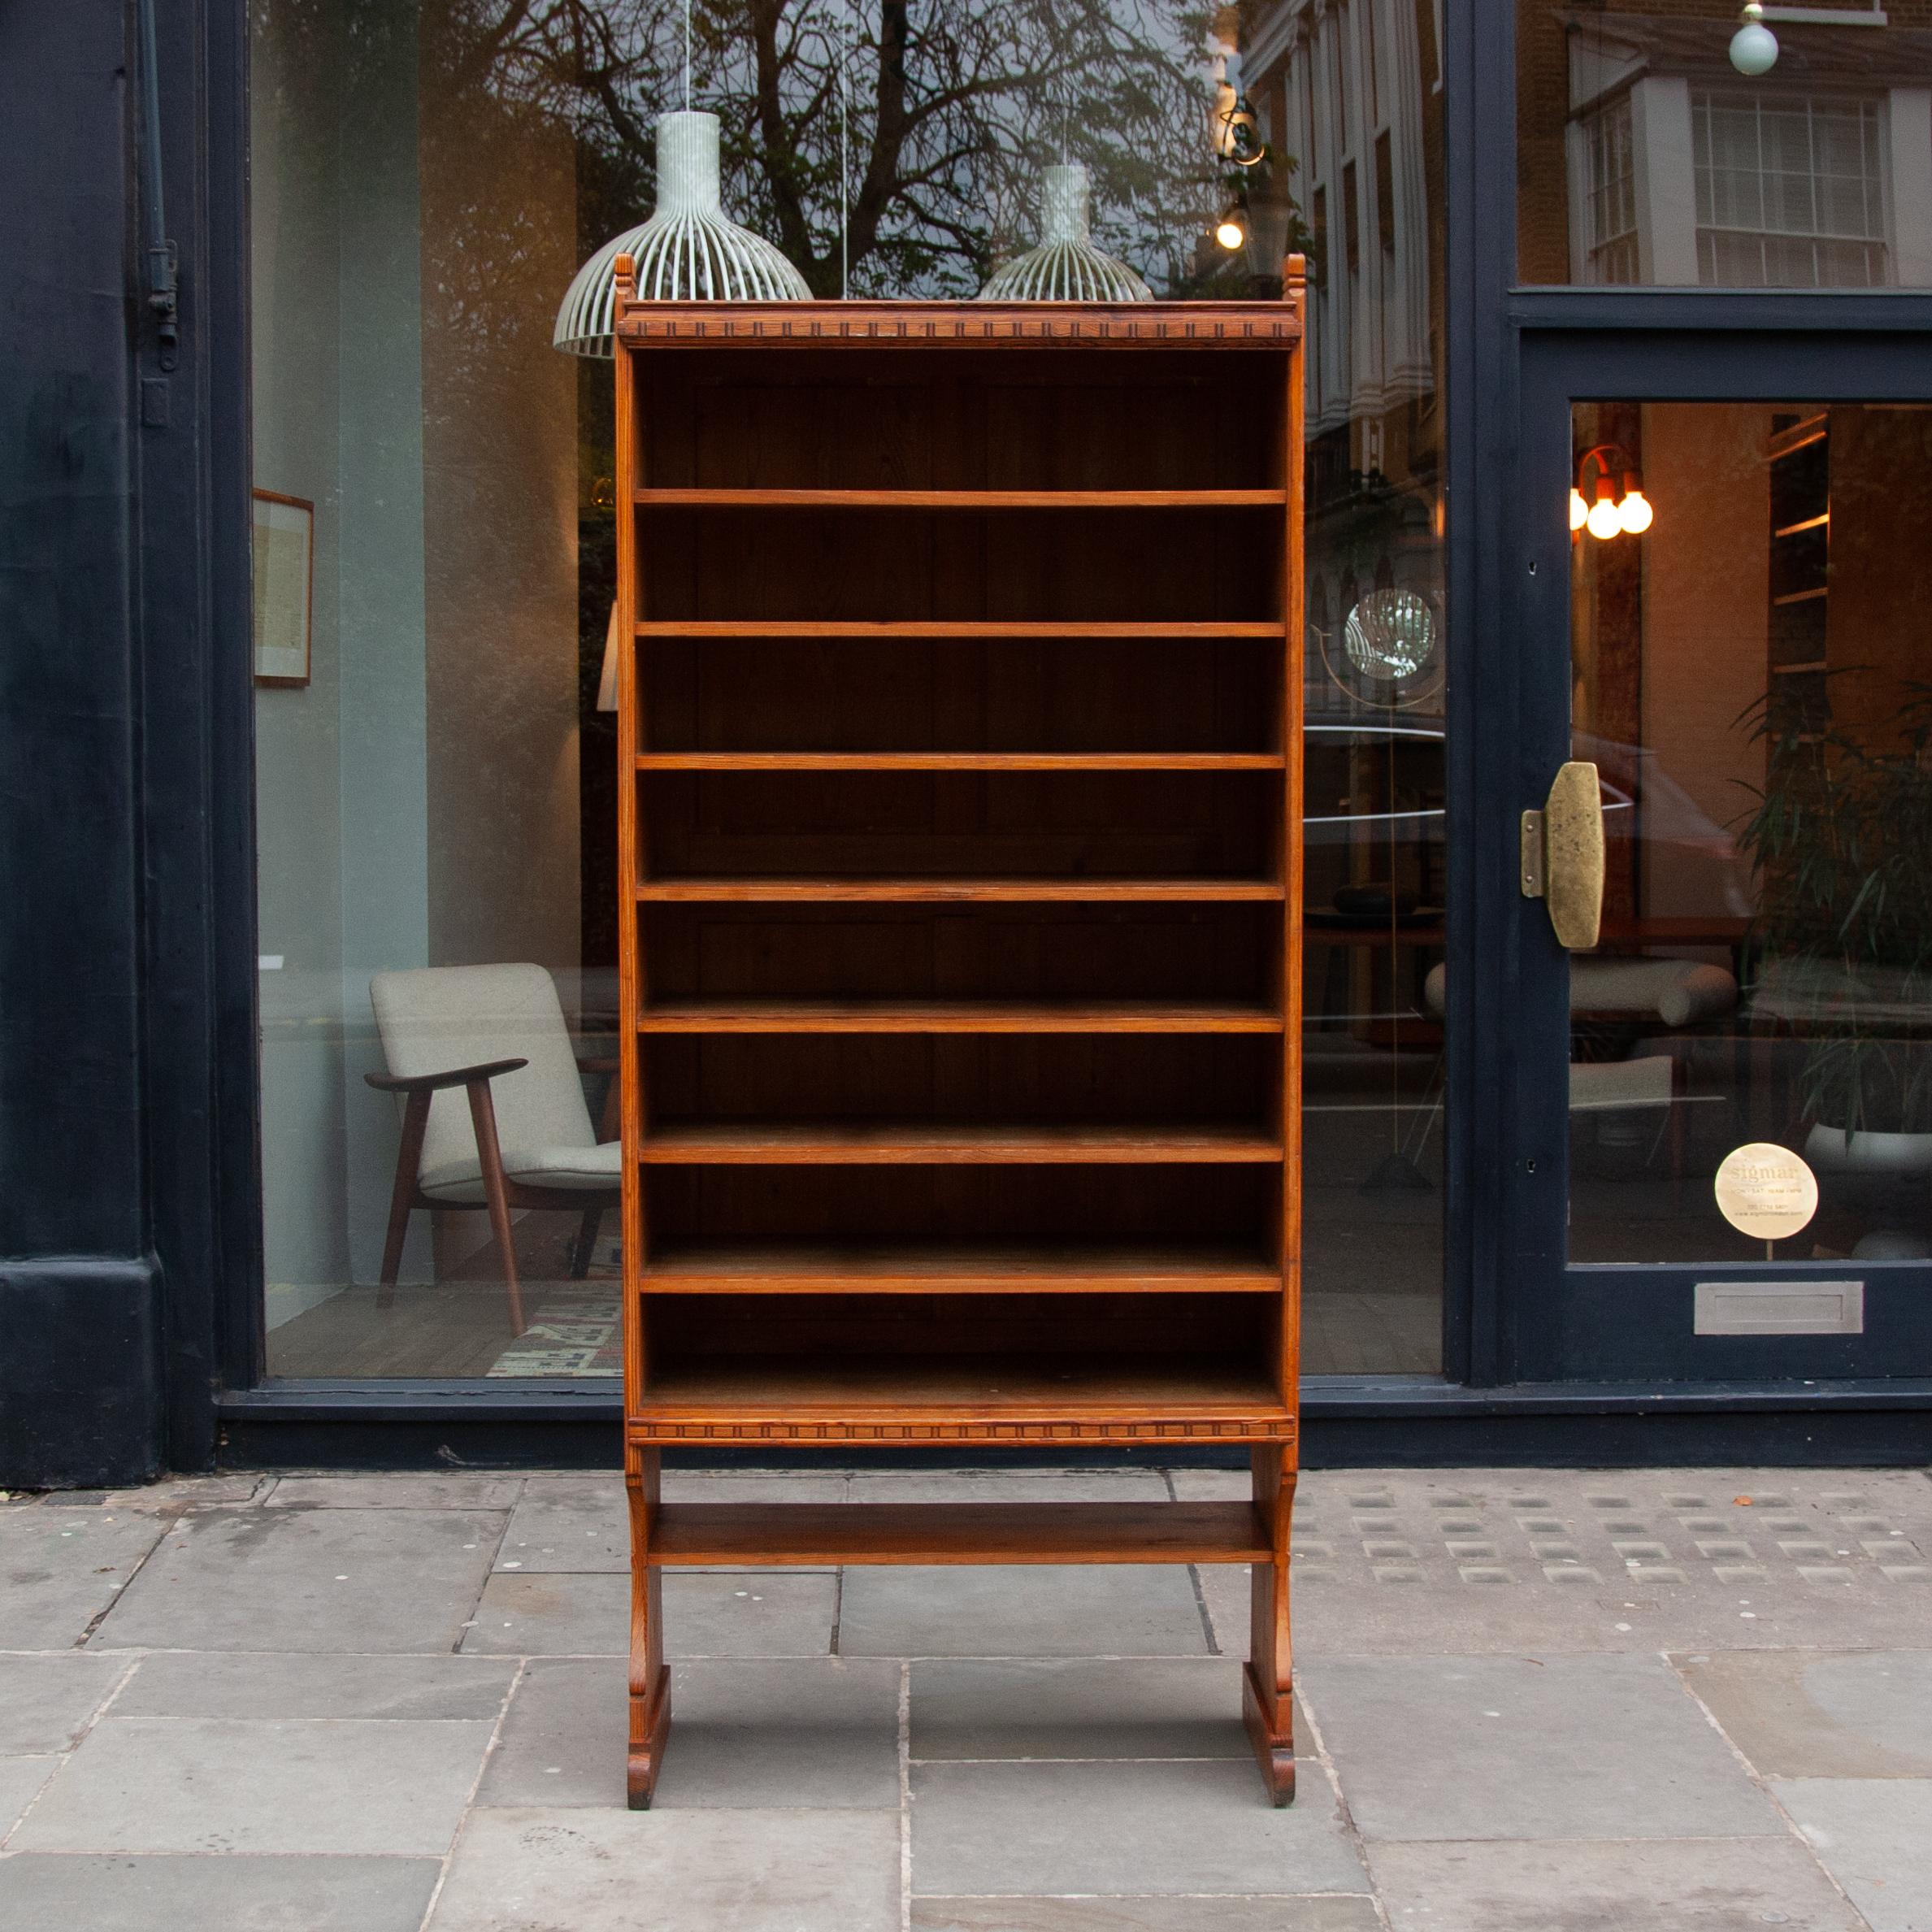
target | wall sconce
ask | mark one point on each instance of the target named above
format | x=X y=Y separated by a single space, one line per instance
x=1232 y=230
x=1597 y=504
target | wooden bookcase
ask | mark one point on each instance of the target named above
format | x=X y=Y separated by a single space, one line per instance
x=959 y=839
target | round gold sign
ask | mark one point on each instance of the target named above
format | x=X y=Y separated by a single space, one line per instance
x=1765 y=1190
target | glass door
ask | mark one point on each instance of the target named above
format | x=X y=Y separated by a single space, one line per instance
x=1725 y=911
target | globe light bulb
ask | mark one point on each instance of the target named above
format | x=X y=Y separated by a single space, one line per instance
x=1603 y=522
x=1231 y=233
x=1634 y=513
x=1579 y=510
x=1754 y=47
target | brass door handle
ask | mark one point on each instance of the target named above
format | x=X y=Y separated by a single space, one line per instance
x=1563 y=855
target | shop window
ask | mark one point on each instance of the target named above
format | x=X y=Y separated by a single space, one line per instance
x=435 y=790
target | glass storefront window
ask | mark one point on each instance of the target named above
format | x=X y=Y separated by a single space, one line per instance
x=1644 y=154
x=1752 y=677
x=436 y=790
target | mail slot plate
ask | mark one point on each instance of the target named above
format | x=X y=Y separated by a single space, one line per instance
x=1779 y=1308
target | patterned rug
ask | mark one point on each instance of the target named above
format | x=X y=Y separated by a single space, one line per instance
x=576 y=1331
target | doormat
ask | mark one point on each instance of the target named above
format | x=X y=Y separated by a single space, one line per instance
x=577 y=1332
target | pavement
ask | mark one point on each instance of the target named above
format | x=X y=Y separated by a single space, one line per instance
x=1532 y=1701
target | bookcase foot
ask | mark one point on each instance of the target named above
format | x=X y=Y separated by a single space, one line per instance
x=650 y=1723
x=1274 y=1741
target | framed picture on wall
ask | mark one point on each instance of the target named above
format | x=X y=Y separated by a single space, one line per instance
x=284 y=559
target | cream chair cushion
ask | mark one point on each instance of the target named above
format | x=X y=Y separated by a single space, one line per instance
x=437 y=1018
x=1679 y=991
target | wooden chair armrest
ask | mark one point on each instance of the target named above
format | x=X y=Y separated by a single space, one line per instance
x=457 y=1076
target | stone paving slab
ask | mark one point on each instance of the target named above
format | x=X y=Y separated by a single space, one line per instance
x=307 y=1579
x=1012 y=1486
x=744 y=1613
x=1874 y=1837
x=283 y=1685
x=235 y=1892
x=1183 y=1707
x=590 y=1871
x=745 y=1734
x=1708 y=1884
x=1138 y=1828
x=396 y=1492
x=220 y=1784
x=1334 y=1914
x=45 y=1701
x=1042 y=1610
x=1801 y=1713
x=61 y=1567
x=21 y=1780
x=1527 y=1748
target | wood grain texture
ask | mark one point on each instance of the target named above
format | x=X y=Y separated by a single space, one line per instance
x=817 y=1535
x=1177 y=630
x=753 y=498
x=913 y=1144
x=754 y=1269
x=951 y=1016
x=940 y=891
x=873 y=325
x=959 y=761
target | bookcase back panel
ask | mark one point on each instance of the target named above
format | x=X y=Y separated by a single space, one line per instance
x=832 y=1328
x=1176 y=953
x=1125 y=694
x=852 y=565
x=1146 y=1080
x=966 y=420
x=1106 y=1204
x=1030 y=824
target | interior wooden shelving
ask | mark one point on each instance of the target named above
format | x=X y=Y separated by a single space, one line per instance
x=960 y=755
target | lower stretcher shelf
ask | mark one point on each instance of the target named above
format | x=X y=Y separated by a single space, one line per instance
x=780 y=1534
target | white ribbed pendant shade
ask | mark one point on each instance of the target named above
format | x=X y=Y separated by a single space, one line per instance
x=1065 y=267
x=689 y=251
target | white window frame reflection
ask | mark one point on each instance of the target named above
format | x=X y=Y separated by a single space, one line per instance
x=1682 y=237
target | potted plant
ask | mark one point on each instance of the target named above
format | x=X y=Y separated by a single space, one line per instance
x=1841 y=841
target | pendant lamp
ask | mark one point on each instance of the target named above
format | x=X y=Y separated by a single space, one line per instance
x=689 y=251
x=1065 y=267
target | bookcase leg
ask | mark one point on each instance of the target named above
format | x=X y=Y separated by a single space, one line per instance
x=650 y=1677
x=1268 y=1684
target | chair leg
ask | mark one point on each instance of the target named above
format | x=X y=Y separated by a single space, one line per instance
x=483 y=1116
x=415 y=1118
x=585 y=1244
